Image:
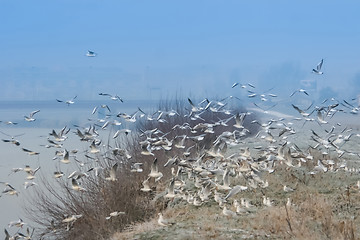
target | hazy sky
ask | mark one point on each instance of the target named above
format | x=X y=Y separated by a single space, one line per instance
x=150 y=49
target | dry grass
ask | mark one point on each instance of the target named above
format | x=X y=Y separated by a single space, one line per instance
x=324 y=206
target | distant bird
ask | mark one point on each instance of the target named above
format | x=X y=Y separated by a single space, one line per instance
x=146 y=186
x=239 y=120
x=112 y=174
x=299 y=90
x=75 y=186
x=19 y=223
x=136 y=167
x=318 y=68
x=91 y=54
x=29 y=184
x=235 y=190
x=68 y=102
x=112 y=97
x=170 y=189
x=228 y=212
x=114 y=214
x=154 y=171
x=287 y=189
x=66 y=158
x=12 y=140
x=58 y=174
x=30 y=152
x=31 y=118
x=30 y=172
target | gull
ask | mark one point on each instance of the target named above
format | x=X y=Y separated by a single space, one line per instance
x=30 y=172
x=60 y=137
x=91 y=54
x=29 y=184
x=226 y=182
x=28 y=236
x=136 y=167
x=288 y=202
x=239 y=120
x=97 y=170
x=58 y=174
x=266 y=201
x=118 y=132
x=31 y=118
x=287 y=189
x=181 y=143
x=70 y=220
x=15 y=170
x=171 y=161
x=146 y=186
x=163 y=222
x=299 y=90
x=320 y=117
x=146 y=150
x=302 y=112
x=154 y=171
x=93 y=148
x=68 y=102
x=10 y=190
x=66 y=158
x=10 y=123
x=170 y=189
x=75 y=185
x=19 y=223
x=112 y=174
x=235 y=190
x=77 y=175
x=112 y=97
x=12 y=140
x=30 y=152
x=114 y=214
x=193 y=107
x=7 y=235
x=265 y=110
x=318 y=68
x=228 y=212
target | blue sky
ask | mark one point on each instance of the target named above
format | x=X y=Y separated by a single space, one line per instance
x=153 y=49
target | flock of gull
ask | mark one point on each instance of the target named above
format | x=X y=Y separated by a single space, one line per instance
x=212 y=147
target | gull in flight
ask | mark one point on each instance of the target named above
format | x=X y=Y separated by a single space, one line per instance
x=30 y=152
x=170 y=190
x=12 y=140
x=68 y=102
x=318 y=68
x=112 y=97
x=19 y=223
x=114 y=214
x=154 y=171
x=75 y=185
x=112 y=174
x=146 y=186
x=31 y=118
x=299 y=90
x=91 y=54
x=30 y=172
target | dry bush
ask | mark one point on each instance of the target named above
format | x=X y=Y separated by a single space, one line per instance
x=55 y=200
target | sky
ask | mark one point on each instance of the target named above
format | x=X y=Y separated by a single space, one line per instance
x=155 y=49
